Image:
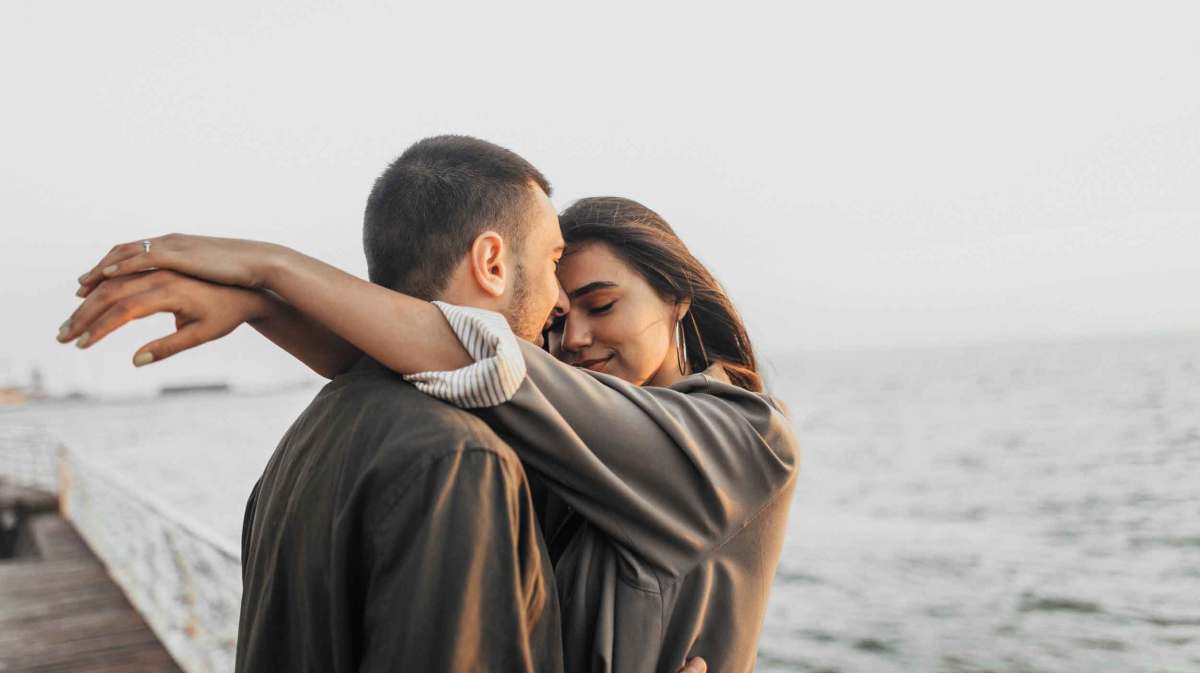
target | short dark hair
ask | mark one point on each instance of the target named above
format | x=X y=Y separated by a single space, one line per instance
x=433 y=201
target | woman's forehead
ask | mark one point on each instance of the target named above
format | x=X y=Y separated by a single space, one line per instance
x=591 y=262
x=591 y=267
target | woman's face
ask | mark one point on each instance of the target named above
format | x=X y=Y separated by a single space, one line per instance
x=617 y=323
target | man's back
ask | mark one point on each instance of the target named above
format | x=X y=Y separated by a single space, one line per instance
x=391 y=531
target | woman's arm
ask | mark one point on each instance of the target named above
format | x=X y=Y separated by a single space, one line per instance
x=405 y=334
x=203 y=312
x=670 y=473
x=307 y=340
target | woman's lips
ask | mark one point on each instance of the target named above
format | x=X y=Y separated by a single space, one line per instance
x=596 y=365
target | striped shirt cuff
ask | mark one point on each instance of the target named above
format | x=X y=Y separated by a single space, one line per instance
x=499 y=367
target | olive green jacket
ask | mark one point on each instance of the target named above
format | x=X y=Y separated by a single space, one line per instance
x=664 y=510
x=391 y=531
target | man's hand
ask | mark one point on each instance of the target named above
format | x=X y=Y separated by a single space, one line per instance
x=695 y=665
x=203 y=311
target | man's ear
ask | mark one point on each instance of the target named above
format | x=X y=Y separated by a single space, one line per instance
x=488 y=259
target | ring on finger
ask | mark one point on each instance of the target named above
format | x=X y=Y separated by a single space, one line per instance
x=146 y=246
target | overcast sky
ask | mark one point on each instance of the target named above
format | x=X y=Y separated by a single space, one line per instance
x=858 y=175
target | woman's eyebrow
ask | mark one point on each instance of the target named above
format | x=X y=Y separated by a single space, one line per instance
x=590 y=287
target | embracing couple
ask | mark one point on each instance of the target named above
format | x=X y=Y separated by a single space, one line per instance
x=545 y=447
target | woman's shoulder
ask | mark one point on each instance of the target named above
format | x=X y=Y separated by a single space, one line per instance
x=715 y=380
x=768 y=415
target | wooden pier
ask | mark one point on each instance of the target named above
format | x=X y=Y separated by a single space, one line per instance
x=60 y=611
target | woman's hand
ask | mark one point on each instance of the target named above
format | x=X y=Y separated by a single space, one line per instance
x=405 y=334
x=203 y=311
x=228 y=261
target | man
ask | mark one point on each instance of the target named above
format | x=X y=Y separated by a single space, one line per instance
x=388 y=525
x=389 y=530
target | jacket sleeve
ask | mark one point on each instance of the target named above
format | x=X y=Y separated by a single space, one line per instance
x=498 y=367
x=248 y=524
x=456 y=576
x=671 y=473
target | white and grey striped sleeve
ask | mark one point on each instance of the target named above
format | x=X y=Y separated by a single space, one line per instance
x=499 y=366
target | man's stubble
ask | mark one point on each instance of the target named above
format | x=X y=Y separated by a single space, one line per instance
x=519 y=312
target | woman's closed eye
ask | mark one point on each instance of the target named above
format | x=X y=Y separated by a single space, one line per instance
x=601 y=310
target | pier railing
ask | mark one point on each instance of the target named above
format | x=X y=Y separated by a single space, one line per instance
x=27 y=456
x=184 y=580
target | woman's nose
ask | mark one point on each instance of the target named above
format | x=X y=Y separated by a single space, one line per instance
x=576 y=334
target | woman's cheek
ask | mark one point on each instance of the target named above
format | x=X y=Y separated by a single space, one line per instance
x=640 y=366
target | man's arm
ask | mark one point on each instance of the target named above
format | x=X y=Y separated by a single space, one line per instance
x=456 y=578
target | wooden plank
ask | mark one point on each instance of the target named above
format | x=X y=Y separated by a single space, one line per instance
x=65 y=614
x=56 y=539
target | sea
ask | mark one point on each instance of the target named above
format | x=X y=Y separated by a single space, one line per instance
x=1027 y=507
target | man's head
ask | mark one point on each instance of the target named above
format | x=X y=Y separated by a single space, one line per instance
x=465 y=221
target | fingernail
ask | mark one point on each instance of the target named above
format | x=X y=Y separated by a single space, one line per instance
x=83 y=340
x=109 y=270
x=63 y=330
x=81 y=292
x=143 y=359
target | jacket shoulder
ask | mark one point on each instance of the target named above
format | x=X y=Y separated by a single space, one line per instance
x=391 y=410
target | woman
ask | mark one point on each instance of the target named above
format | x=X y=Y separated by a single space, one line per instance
x=664 y=505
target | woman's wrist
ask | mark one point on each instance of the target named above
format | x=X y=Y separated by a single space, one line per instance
x=260 y=306
x=271 y=265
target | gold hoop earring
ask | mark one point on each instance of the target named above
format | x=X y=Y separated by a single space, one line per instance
x=699 y=341
x=681 y=348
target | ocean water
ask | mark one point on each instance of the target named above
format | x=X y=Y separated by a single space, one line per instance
x=1029 y=507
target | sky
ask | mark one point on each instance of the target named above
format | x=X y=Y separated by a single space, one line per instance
x=858 y=175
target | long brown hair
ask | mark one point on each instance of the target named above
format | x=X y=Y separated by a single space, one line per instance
x=712 y=330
